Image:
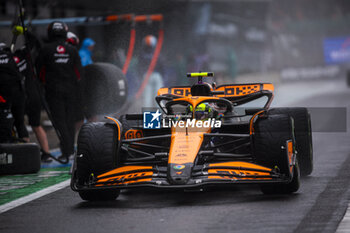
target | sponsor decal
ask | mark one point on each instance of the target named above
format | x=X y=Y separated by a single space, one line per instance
x=2 y=100
x=151 y=120
x=60 y=55
x=58 y=26
x=62 y=60
x=241 y=90
x=4 y=61
x=22 y=65
x=177 y=117
x=60 y=49
x=223 y=30
x=235 y=174
x=5 y=159
x=336 y=50
x=121 y=85
x=16 y=59
x=179 y=167
x=133 y=133
x=180 y=91
x=330 y=71
x=125 y=179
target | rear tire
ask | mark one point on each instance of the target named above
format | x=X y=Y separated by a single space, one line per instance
x=303 y=136
x=271 y=134
x=104 y=89
x=97 y=153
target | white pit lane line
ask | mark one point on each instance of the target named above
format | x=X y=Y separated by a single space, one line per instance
x=344 y=225
x=33 y=196
x=36 y=195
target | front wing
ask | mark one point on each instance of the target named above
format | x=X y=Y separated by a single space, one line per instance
x=224 y=173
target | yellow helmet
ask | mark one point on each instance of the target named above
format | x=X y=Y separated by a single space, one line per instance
x=202 y=111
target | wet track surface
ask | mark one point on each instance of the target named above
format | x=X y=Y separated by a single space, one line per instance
x=317 y=207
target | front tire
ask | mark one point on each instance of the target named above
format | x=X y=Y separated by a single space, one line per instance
x=270 y=137
x=303 y=136
x=97 y=153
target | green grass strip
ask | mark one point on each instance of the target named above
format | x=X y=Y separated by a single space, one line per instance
x=13 y=187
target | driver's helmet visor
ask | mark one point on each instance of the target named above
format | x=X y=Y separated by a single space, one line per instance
x=201 y=115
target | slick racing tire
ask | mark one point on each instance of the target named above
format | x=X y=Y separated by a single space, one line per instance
x=303 y=136
x=104 y=89
x=16 y=158
x=270 y=136
x=97 y=153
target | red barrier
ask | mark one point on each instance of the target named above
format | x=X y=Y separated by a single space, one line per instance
x=130 y=50
x=144 y=18
x=113 y=18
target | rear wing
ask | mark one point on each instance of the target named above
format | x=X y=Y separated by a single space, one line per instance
x=230 y=90
x=236 y=93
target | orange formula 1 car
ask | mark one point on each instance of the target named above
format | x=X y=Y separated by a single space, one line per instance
x=201 y=135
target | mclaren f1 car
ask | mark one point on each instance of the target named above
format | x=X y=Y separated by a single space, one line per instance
x=201 y=135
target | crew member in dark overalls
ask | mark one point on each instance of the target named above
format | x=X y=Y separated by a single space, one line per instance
x=59 y=68
x=33 y=100
x=12 y=90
